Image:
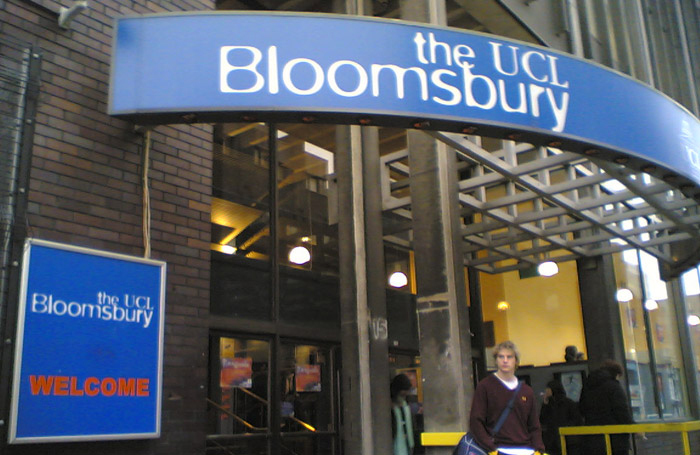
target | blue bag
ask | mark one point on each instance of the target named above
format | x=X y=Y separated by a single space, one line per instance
x=468 y=446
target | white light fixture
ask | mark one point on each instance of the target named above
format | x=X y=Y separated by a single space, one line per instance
x=228 y=249
x=548 y=268
x=299 y=255
x=693 y=320
x=651 y=305
x=398 y=280
x=624 y=295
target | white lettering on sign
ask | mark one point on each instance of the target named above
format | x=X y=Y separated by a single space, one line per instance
x=379 y=328
x=131 y=309
x=444 y=74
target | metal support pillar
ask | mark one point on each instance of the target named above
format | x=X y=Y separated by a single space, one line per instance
x=364 y=329
x=601 y=315
x=443 y=315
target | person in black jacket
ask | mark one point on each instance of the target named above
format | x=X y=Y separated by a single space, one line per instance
x=604 y=402
x=558 y=411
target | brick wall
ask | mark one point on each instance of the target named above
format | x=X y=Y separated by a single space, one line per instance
x=86 y=190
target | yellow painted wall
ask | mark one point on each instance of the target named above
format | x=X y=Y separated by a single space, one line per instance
x=544 y=315
x=492 y=292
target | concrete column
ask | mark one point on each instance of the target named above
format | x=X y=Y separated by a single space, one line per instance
x=443 y=315
x=364 y=329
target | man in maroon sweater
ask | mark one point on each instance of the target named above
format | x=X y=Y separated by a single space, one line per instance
x=522 y=426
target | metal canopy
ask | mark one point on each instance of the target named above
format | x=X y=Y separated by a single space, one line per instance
x=523 y=204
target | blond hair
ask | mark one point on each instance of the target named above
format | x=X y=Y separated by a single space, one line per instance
x=510 y=346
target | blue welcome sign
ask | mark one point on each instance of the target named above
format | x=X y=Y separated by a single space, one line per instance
x=302 y=67
x=89 y=352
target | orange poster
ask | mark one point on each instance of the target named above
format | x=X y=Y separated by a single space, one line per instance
x=308 y=378
x=237 y=372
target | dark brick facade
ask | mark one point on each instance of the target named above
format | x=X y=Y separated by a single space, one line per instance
x=86 y=190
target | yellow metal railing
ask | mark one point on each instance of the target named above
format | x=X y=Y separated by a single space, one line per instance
x=606 y=430
x=441 y=439
x=450 y=439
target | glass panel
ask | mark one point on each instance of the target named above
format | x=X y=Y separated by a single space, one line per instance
x=240 y=370
x=309 y=298
x=240 y=221
x=667 y=350
x=691 y=289
x=239 y=287
x=307 y=393
x=639 y=378
x=670 y=375
x=308 y=229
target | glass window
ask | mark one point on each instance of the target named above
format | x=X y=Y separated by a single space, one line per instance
x=239 y=386
x=691 y=289
x=308 y=229
x=307 y=388
x=638 y=360
x=661 y=311
x=239 y=287
x=240 y=221
x=655 y=373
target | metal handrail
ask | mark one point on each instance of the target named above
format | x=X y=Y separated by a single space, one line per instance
x=237 y=418
x=606 y=430
x=264 y=401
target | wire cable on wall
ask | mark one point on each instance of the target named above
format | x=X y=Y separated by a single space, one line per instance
x=146 y=195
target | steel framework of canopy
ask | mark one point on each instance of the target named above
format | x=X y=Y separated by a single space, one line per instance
x=522 y=204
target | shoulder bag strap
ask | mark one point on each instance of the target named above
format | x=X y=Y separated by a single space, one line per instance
x=506 y=411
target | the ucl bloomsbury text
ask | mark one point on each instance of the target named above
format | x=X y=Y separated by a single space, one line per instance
x=452 y=80
x=130 y=308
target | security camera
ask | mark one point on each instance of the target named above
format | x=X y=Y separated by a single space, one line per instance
x=66 y=15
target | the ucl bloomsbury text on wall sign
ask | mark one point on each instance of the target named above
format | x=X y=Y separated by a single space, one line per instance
x=347 y=66
x=89 y=352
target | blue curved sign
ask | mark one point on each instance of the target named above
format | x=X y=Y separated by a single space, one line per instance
x=212 y=65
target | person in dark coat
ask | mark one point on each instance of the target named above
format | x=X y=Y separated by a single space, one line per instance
x=604 y=402
x=557 y=411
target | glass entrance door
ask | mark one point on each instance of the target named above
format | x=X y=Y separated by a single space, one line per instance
x=308 y=410
x=242 y=404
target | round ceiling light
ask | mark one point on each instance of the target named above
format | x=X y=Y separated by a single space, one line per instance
x=548 y=268
x=299 y=255
x=398 y=280
x=624 y=295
